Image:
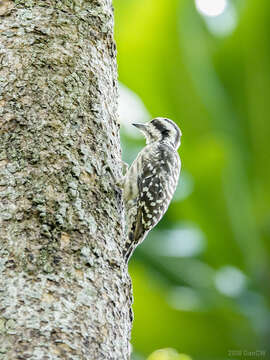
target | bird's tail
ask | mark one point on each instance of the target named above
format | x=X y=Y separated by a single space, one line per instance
x=135 y=234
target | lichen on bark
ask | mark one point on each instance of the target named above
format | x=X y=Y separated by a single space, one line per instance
x=64 y=291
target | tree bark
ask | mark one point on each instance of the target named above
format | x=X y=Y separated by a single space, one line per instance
x=64 y=290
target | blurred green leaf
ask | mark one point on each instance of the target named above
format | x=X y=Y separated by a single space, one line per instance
x=168 y=354
x=215 y=86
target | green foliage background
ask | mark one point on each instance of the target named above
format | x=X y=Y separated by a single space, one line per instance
x=217 y=89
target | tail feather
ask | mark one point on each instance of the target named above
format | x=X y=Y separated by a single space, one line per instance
x=136 y=235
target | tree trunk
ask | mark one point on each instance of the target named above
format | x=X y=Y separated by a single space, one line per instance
x=64 y=291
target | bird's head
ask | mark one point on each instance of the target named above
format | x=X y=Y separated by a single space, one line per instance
x=161 y=129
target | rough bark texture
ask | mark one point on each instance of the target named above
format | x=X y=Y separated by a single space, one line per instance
x=64 y=291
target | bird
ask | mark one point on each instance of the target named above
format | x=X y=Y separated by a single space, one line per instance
x=151 y=180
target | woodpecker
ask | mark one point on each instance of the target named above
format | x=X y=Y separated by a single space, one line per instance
x=151 y=180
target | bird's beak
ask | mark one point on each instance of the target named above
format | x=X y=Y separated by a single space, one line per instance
x=140 y=126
